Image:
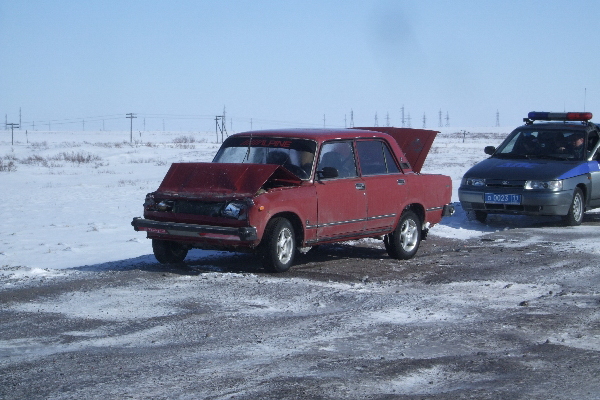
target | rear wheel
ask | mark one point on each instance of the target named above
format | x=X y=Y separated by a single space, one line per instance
x=404 y=242
x=278 y=247
x=575 y=215
x=167 y=252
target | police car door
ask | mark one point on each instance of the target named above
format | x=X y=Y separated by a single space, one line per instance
x=594 y=168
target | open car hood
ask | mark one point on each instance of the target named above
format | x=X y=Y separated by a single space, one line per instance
x=222 y=180
x=415 y=143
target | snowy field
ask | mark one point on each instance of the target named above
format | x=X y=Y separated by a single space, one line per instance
x=68 y=197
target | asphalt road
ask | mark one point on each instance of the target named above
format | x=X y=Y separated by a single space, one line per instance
x=511 y=315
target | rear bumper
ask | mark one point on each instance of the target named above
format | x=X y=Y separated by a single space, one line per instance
x=244 y=234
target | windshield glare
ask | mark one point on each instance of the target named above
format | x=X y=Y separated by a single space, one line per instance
x=567 y=145
x=296 y=155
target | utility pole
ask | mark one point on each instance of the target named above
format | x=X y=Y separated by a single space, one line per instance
x=220 y=127
x=497 y=118
x=12 y=129
x=131 y=116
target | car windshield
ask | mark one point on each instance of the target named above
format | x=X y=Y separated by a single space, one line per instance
x=296 y=155
x=549 y=144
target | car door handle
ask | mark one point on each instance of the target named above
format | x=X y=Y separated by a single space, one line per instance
x=401 y=181
x=360 y=186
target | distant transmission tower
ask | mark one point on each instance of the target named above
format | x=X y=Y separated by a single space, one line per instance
x=351 y=118
x=402 y=111
x=447 y=119
x=376 y=120
x=440 y=118
x=424 y=121
x=387 y=119
x=409 y=124
x=497 y=118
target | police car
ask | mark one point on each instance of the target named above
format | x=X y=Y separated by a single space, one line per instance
x=549 y=166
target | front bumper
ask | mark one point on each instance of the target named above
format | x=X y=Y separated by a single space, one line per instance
x=244 y=234
x=532 y=202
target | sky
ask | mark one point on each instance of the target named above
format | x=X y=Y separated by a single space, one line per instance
x=83 y=65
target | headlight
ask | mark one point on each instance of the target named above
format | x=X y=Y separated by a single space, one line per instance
x=474 y=181
x=544 y=185
x=149 y=202
x=235 y=210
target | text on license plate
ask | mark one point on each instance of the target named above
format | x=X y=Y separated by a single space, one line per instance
x=493 y=198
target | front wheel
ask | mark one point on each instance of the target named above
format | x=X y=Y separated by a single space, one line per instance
x=404 y=242
x=575 y=215
x=167 y=252
x=278 y=246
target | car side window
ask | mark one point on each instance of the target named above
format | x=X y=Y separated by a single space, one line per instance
x=340 y=156
x=375 y=158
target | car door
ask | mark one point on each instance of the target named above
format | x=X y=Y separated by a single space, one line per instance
x=341 y=199
x=384 y=184
x=594 y=168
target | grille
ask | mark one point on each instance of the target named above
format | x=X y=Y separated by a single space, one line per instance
x=211 y=209
x=505 y=183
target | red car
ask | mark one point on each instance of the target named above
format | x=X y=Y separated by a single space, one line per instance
x=276 y=191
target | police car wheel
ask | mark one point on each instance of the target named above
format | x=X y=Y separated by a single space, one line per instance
x=575 y=215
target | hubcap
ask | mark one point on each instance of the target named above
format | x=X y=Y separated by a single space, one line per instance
x=408 y=235
x=577 y=208
x=285 y=246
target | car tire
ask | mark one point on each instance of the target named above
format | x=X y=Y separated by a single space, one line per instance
x=278 y=246
x=167 y=252
x=403 y=243
x=575 y=215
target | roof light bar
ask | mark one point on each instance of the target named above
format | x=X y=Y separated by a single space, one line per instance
x=550 y=116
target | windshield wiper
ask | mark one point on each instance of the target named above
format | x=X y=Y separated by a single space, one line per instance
x=510 y=155
x=549 y=156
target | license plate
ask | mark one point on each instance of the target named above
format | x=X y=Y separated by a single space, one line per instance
x=493 y=198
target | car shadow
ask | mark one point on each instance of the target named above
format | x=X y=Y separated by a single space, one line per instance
x=205 y=261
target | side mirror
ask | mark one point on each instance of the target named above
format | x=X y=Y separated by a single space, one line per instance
x=489 y=150
x=327 y=173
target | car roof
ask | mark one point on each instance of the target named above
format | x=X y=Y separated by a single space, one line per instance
x=321 y=134
x=557 y=125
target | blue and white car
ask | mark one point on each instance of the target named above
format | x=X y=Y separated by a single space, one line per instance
x=549 y=166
